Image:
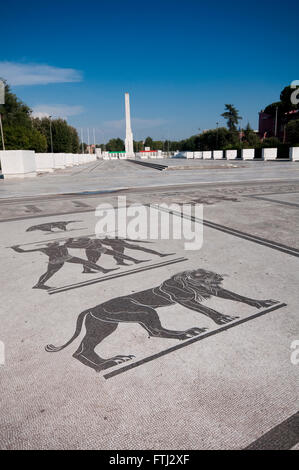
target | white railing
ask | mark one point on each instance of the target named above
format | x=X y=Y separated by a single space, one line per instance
x=23 y=163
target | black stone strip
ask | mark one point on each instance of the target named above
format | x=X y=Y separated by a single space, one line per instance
x=151 y=189
x=80 y=204
x=155 y=166
x=115 y=276
x=33 y=209
x=285 y=203
x=191 y=341
x=51 y=214
x=237 y=233
x=284 y=436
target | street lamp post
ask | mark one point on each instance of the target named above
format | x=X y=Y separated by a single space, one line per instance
x=217 y=124
x=82 y=144
x=2 y=101
x=241 y=133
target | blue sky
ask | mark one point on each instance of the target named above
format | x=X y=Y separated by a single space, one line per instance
x=180 y=60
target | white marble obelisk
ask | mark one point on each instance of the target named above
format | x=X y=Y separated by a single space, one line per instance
x=129 y=134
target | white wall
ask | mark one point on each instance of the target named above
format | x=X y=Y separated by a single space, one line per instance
x=76 y=159
x=18 y=163
x=44 y=162
x=69 y=159
x=59 y=160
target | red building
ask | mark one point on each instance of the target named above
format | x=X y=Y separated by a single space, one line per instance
x=267 y=124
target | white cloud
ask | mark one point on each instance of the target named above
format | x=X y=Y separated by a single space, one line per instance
x=35 y=74
x=56 y=110
x=137 y=123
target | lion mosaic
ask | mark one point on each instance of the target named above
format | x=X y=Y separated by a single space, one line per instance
x=188 y=289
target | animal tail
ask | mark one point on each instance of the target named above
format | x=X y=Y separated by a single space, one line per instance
x=30 y=229
x=51 y=348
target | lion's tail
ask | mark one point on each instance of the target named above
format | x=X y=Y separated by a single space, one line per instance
x=51 y=348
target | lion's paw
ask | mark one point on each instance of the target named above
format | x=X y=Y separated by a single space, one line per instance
x=265 y=303
x=193 y=332
x=225 y=319
x=120 y=359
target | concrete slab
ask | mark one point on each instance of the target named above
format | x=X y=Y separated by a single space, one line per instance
x=119 y=174
x=231 y=154
x=44 y=162
x=224 y=388
x=247 y=154
x=18 y=164
x=236 y=379
x=269 y=153
x=207 y=155
x=218 y=154
x=294 y=154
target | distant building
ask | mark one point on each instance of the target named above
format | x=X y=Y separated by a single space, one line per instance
x=267 y=123
x=91 y=148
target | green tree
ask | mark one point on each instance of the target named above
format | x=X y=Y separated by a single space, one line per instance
x=43 y=126
x=218 y=139
x=138 y=145
x=271 y=142
x=37 y=142
x=62 y=138
x=283 y=108
x=292 y=132
x=65 y=137
x=115 y=145
x=14 y=111
x=19 y=137
x=251 y=139
x=231 y=114
x=17 y=125
x=75 y=140
x=149 y=143
x=158 y=145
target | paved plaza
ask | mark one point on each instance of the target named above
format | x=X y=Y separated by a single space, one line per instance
x=143 y=344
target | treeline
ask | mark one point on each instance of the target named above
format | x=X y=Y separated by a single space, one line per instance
x=232 y=136
x=65 y=138
x=22 y=131
x=213 y=139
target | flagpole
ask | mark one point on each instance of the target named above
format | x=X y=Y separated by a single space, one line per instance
x=82 y=140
